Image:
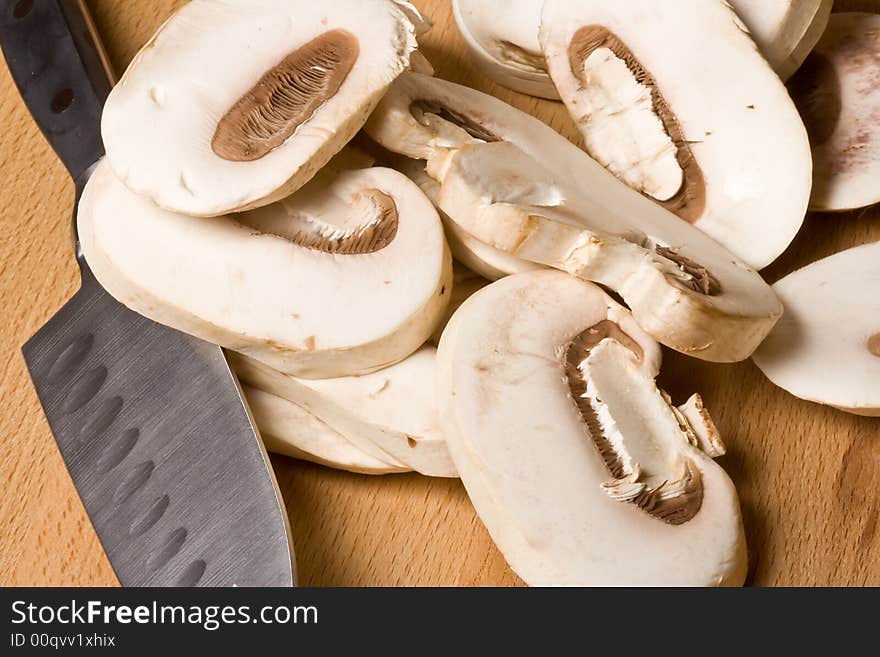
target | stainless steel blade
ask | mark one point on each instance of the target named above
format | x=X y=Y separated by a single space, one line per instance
x=160 y=446
x=150 y=422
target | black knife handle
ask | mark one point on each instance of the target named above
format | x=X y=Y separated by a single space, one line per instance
x=58 y=65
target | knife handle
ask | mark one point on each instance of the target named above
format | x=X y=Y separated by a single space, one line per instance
x=61 y=71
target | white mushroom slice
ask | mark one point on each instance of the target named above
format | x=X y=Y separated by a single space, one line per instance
x=706 y=435
x=826 y=348
x=466 y=283
x=578 y=466
x=289 y=429
x=686 y=291
x=431 y=119
x=785 y=30
x=837 y=91
x=676 y=101
x=350 y=274
x=390 y=414
x=234 y=104
x=502 y=37
x=487 y=261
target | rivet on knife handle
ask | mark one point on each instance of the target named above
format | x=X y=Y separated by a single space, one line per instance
x=61 y=72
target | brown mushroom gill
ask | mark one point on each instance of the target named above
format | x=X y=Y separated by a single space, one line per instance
x=526 y=60
x=418 y=108
x=701 y=279
x=285 y=97
x=672 y=500
x=374 y=233
x=690 y=200
x=874 y=344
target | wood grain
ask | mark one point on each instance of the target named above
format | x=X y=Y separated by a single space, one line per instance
x=808 y=476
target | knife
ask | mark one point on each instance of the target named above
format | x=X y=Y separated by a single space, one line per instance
x=150 y=422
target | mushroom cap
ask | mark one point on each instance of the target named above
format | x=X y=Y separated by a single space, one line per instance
x=262 y=283
x=838 y=93
x=502 y=37
x=738 y=127
x=526 y=457
x=208 y=61
x=289 y=429
x=390 y=414
x=822 y=349
x=785 y=30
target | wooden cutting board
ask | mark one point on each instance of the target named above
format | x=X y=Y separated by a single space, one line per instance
x=808 y=476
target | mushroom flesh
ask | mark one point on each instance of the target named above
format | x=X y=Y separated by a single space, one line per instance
x=579 y=466
x=675 y=100
x=502 y=37
x=234 y=104
x=391 y=414
x=489 y=262
x=785 y=30
x=289 y=429
x=348 y=275
x=837 y=91
x=687 y=290
x=826 y=348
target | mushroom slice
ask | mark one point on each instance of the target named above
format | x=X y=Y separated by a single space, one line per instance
x=502 y=37
x=489 y=262
x=430 y=119
x=684 y=289
x=826 y=348
x=675 y=100
x=465 y=284
x=350 y=274
x=434 y=120
x=234 y=104
x=785 y=30
x=289 y=429
x=580 y=468
x=838 y=93
x=391 y=414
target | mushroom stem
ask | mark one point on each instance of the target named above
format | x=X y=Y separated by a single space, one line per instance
x=611 y=76
x=638 y=433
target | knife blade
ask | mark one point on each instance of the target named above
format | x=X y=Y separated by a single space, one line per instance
x=150 y=422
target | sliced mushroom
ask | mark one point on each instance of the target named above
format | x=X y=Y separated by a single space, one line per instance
x=390 y=414
x=234 y=104
x=675 y=100
x=826 y=348
x=684 y=289
x=289 y=429
x=838 y=94
x=487 y=261
x=350 y=274
x=502 y=37
x=465 y=284
x=420 y=64
x=785 y=30
x=580 y=468
x=531 y=164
